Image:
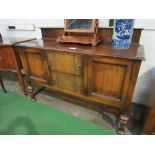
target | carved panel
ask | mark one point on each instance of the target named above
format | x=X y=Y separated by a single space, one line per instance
x=67 y=82
x=65 y=62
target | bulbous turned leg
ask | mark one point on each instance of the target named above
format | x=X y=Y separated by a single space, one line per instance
x=123 y=120
x=30 y=91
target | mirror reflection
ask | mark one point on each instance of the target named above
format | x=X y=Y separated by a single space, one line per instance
x=79 y=24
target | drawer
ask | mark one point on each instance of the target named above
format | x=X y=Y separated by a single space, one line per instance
x=67 y=82
x=65 y=62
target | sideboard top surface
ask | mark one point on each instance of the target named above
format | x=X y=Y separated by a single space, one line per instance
x=135 y=52
x=9 y=41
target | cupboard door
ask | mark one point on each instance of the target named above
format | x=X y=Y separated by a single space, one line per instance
x=65 y=62
x=107 y=79
x=67 y=82
x=6 y=58
x=35 y=64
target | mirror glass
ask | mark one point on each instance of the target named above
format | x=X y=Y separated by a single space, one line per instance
x=79 y=24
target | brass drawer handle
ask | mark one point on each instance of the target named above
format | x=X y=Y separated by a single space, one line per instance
x=79 y=68
x=1 y=58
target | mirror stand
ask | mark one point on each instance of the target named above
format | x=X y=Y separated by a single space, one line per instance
x=81 y=36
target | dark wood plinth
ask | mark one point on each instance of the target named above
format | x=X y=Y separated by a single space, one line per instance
x=79 y=39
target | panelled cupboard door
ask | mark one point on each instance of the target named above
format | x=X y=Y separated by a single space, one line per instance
x=107 y=79
x=35 y=64
x=65 y=62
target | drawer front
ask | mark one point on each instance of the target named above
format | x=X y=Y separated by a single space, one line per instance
x=67 y=82
x=65 y=62
x=6 y=58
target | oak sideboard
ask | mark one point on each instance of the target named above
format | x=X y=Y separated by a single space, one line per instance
x=99 y=77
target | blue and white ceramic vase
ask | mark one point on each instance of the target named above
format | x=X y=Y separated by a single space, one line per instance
x=122 y=33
